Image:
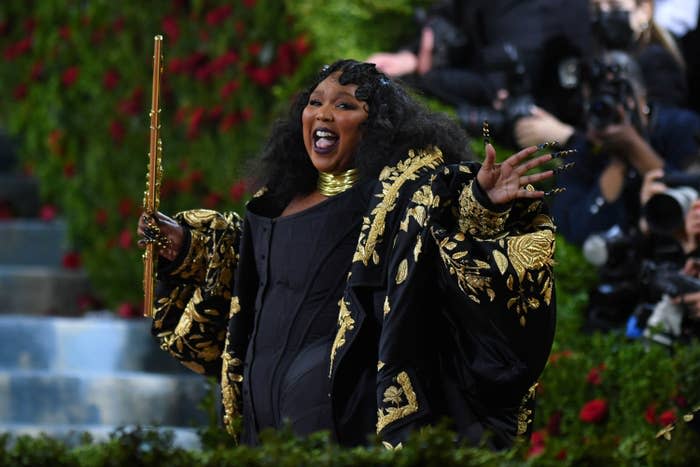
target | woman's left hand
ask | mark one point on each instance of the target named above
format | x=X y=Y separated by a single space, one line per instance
x=505 y=182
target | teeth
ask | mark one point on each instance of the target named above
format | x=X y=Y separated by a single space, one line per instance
x=324 y=134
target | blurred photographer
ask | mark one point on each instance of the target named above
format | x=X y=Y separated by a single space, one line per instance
x=671 y=209
x=624 y=138
x=491 y=60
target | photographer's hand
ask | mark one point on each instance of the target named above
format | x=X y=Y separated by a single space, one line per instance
x=651 y=185
x=624 y=140
x=541 y=126
x=394 y=64
x=691 y=300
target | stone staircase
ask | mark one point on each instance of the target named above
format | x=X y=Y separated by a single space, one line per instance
x=62 y=375
x=63 y=371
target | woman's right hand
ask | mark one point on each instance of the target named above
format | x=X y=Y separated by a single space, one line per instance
x=168 y=228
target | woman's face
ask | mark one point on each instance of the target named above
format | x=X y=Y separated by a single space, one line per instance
x=331 y=125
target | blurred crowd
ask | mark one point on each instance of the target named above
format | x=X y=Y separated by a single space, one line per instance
x=617 y=80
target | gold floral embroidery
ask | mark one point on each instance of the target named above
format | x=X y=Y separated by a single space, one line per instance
x=472 y=274
x=387 y=307
x=380 y=365
x=395 y=395
x=231 y=380
x=402 y=272
x=475 y=219
x=525 y=414
x=235 y=307
x=345 y=324
x=392 y=179
x=501 y=261
x=531 y=251
x=527 y=253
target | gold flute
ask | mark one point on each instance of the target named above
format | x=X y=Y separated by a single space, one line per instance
x=151 y=197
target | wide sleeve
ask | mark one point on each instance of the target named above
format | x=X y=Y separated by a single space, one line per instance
x=489 y=272
x=194 y=293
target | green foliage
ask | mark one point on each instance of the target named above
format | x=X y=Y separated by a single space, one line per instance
x=79 y=76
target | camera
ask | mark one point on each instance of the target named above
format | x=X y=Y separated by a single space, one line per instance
x=608 y=83
x=666 y=279
x=665 y=212
x=610 y=90
x=616 y=253
x=504 y=60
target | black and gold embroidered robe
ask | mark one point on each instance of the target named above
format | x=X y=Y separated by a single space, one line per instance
x=448 y=309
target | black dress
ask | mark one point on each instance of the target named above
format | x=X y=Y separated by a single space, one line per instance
x=302 y=261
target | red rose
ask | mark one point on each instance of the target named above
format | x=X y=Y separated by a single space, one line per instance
x=125 y=239
x=69 y=169
x=594 y=377
x=554 y=423
x=65 y=32
x=128 y=310
x=246 y=114
x=254 y=48
x=264 y=76
x=195 y=122
x=37 y=70
x=650 y=414
x=594 y=411
x=218 y=15
x=237 y=190
x=71 y=260
x=537 y=444
x=117 y=131
x=211 y=200
x=20 y=92
x=48 y=212
x=101 y=217
x=126 y=206
x=133 y=105
x=110 y=80
x=229 y=88
x=667 y=417
x=681 y=401
x=118 y=24
x=249 y=3
x=70 y=76
x=228 y=122
x=301 y=45
x=171 y=28
x=561 y=455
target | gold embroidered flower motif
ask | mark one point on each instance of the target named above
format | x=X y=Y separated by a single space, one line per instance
x=392 y=179
x=395 y=395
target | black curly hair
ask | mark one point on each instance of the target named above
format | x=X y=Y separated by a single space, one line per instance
x=395 y=124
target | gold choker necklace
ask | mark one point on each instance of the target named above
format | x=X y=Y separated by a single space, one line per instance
x=331 y=185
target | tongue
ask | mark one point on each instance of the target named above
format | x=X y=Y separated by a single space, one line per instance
x=325 y=143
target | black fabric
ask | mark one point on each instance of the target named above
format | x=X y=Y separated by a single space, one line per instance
x=301 y=261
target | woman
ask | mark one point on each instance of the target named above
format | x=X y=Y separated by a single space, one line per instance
x=374 y=284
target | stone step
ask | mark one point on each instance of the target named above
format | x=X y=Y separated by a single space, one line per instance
x=98 y=342
x=72 y=435
x=20 y=193
x=41 y=397
x=32 y=242
x=41 y=290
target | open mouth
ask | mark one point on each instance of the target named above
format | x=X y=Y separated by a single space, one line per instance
x=324 y=140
